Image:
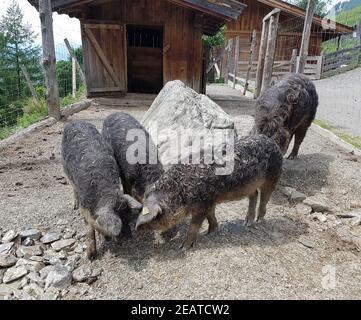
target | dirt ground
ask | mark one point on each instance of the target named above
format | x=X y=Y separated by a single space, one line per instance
x=291 y=256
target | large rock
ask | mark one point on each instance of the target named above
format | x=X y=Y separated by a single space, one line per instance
x=7 y=260
x=179 y=111
x=14 y=273
x=59 y=277
x=5 y=248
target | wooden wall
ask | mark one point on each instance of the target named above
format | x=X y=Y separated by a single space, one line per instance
x=183 y=49
x=290 y=32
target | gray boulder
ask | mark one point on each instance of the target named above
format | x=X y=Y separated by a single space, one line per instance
x=179 y=111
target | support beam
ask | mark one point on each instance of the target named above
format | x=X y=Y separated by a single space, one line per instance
x=73 y=76
x=29 y=83
x=250 y=61
x=49 y=59
x=261 y=55
x=72 y=54
x=311 y=8
x=236 y=60
x=270 y=52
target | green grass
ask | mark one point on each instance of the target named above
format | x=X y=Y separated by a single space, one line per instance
x=350 y=17
x=355 y=141
x=34 y=111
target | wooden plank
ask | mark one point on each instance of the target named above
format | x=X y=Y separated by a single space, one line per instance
x=102 y=57
x=311 y=8
x=250 y=61
x=270 y=52
x=261 y=56
x=235 y=66
x=103 y=26
x=49 y=58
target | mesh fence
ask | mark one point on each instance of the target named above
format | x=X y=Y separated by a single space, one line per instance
x=22 y=88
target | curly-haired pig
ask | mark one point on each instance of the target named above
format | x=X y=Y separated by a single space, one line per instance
x=287 y=109
x=195 y=190
x=117 y=131
x=93 y=173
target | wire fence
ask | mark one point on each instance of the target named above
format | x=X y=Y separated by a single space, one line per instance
x=22 y=87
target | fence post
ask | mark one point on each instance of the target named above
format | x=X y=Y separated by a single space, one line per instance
x=293 y=66
x=72 y=54
x=73 y=76
x=262 y=52
x=236 y=60
x=29 y=83
x=250 y=61
x=311 y=8
x=49 y=59
x=230 y=44
x=271 y=51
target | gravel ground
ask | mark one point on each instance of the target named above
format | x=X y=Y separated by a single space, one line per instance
x=340 y=101
x=291 y=256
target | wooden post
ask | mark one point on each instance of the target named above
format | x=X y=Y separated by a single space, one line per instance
x=293 y=66
x=311 y=8
x=229 y=52
x=29 y=83
x=250 y=60
x=49 y=59
x=73 y=73
x=72 y=54
x=270 y=52
x=236 y=60
x=262 y=52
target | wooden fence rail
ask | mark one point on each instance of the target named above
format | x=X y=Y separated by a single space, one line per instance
x=340 y=61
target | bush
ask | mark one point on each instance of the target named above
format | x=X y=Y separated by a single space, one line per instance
x=10 y=113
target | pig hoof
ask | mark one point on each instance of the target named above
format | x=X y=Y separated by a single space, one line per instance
x=76 y=207
x=92 y=255
x=186 y=246
x=212 y=229
x=260 y=221
x=248 y=224
x=292 y=157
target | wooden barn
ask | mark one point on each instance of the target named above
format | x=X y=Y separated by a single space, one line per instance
x=290 y=28
x=139 y=45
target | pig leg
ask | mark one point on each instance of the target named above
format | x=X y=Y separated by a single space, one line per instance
x=266 y=193
x=91 y=243
x=251 y=215
x=198 y=216
x=76 y=200
x=90 y=236
x=212 y=220
x=300 y=135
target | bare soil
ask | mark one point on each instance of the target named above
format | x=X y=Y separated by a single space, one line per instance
x=290 y=256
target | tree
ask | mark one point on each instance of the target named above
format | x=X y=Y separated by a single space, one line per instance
x=321 y=9
x=18 y=49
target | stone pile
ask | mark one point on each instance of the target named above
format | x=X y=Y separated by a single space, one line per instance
x=44 y=266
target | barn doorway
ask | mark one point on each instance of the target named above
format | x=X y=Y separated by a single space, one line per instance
x=145 y=59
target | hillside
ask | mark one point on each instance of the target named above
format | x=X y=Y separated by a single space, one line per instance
x=343 y=6
x=350 y=17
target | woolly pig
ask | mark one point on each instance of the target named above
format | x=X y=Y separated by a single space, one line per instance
x=196 y=189
x=286 y=110
x=135 y=176
x=93 y=173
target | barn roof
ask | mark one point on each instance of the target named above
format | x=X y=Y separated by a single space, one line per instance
x=225 y=9
x=299 y=12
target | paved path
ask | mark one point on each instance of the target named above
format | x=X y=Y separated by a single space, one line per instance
x=340 y=101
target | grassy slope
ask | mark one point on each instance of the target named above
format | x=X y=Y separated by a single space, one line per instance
x=350 y=17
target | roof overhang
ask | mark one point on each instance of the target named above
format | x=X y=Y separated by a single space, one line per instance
x=327 y=25
x=223 y=9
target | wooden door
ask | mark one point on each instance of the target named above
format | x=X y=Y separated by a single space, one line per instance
x=104 y=58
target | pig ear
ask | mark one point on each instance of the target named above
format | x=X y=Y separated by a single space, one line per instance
x=148 y=215
x=132 y=203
